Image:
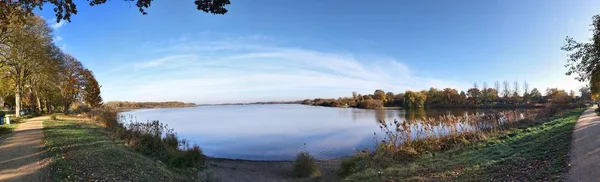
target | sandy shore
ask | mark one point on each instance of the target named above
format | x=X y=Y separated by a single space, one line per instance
x=244 y=170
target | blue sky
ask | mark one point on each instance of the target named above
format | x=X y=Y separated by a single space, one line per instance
x=267 y=50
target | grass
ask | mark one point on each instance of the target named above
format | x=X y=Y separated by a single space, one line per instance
x=7 y=128
x=534 y=153
x=84 y=152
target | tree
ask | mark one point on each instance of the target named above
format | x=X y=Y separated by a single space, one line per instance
x=535 y=95
x=517 y=91
x=584 y=57
x=492 y=94
x=463 y=98
x=585 y=94
x=379 y=95
x=526 y=97
x=485 y=94
x=92 y=90
x=23 y=53
x=433 y=96
x=71 y=81
x=497 y=87
x=506 y=91
x=65 y=8
x=415 y=99
x=473 y=95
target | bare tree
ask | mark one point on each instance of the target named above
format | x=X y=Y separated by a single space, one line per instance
x=526 y=92
x=516 y=87
x=506 y=91
x=497 y=87
x=485 y=93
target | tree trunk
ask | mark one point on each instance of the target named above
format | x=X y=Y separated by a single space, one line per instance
x=18 y=101
x=66 y=108
x=39 y=104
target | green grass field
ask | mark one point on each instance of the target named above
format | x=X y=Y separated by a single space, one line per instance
x=85 y=152
x=536 y=153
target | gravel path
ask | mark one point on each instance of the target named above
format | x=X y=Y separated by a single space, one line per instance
x=585 y=148
x=22 y=153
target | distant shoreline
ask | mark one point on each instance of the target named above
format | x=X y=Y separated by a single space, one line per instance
x=129 y=105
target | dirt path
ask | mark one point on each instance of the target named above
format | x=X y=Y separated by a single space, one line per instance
x=585 y=148
x=21 y=153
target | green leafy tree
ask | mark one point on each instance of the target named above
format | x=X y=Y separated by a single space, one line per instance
x=584 y=57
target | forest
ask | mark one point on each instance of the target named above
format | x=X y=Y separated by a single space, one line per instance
x=36 y=76
x=501 y=95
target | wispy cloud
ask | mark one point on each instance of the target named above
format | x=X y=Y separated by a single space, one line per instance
x=57 y=38
x=55 y=25
x=233 y=71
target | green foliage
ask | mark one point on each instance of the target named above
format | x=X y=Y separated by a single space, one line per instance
x=65 y=9
x=54 y=117
x=305 y=166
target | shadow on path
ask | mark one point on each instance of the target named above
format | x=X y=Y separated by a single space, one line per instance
x=22 y=153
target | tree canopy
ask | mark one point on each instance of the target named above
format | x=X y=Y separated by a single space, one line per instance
x=40 y=76
x=584 y=57
x=64 y=9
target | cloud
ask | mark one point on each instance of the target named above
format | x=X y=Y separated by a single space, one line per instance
x=176 y=59
x=234 y=71
x=55 y=25
x=57 y=38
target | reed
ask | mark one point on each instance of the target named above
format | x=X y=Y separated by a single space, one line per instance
x=405 y=140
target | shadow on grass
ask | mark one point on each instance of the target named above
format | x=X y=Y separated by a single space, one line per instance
x=83 y=152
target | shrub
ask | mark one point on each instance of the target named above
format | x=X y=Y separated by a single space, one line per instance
x=354 y=164
x=305 y=166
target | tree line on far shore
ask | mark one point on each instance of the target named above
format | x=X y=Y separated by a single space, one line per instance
x=500 y=95
x=140 y=105
x=36 y=75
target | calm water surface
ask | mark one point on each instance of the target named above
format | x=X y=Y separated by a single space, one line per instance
x=278 y=132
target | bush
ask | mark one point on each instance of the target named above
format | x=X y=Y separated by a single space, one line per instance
x=354 y=164
x=53 y=117
x=305 y=166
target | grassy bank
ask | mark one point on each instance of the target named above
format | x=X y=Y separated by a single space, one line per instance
x=534 y=153
x=85 y=152
x=7 y=128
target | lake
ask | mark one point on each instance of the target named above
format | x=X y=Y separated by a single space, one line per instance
x=278 y=132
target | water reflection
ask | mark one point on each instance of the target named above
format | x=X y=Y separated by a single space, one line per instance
x=278 y=132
